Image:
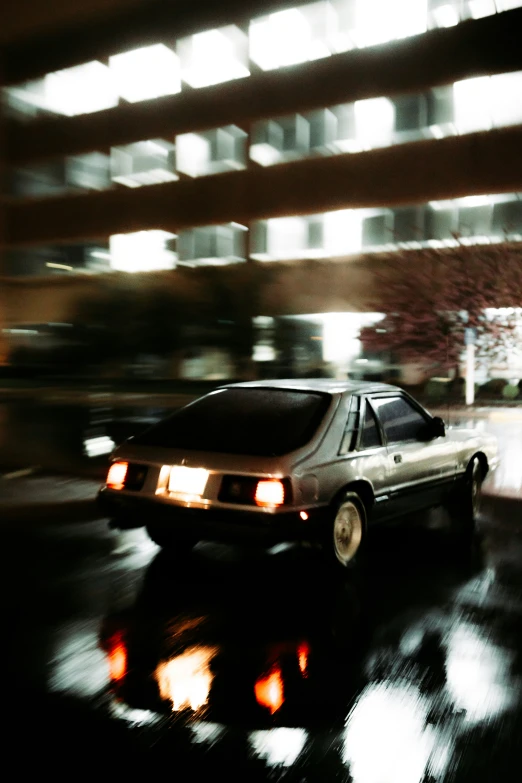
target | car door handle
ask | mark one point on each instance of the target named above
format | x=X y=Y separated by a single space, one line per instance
x=397 y=458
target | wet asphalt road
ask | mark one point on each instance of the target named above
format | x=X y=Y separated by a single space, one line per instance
x=247 y=665
x=263 y=666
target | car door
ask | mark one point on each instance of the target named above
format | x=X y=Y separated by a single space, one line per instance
x=420 y=469
x=373 y=456
x=360 y=453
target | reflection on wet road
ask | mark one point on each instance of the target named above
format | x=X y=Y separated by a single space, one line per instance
x=263 y=666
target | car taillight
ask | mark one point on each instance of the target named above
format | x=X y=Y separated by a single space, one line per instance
x=117 y=475
x=270 y=493
x=255 y=491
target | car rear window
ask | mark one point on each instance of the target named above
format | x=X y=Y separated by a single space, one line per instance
x=260 y=422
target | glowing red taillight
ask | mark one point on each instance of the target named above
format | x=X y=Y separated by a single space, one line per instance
x=270 y=493
x=116 y=475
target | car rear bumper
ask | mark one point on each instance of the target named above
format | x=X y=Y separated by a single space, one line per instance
x=213 y=524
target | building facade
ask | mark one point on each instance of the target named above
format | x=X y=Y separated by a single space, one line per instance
x=164 y=137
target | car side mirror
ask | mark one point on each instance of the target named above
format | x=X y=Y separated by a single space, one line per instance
x=437 y=428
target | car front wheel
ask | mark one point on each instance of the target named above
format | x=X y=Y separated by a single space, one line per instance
x=347 y=530
x=465 y=506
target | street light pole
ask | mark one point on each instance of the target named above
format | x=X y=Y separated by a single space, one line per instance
x=469 y=337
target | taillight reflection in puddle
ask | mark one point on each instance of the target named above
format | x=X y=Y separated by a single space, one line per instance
x=117 y=657
x=303 y=651
x=185 y=680
x=269 y=690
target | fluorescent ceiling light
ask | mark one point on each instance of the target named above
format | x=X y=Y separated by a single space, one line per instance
x=80 y=90
x=149 y=72
x=212 y=60
x=446 y=16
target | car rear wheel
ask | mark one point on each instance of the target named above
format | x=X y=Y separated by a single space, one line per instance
x=169 y=540
x=347 y=530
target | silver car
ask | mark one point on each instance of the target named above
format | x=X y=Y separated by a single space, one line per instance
x=295 y=460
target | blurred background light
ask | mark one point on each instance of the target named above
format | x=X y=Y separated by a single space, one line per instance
x=148 y=72
x=143 y=251
x=80 y=90
x=379 y=21
x=506 y=98
x=143 y=163
x=341 y=343
x=374 y=121
x=193 y=154
x=214 y=56
x=446 y=16
x=481 y=8
x=472 y=104
x=283 y=38
x=343 y=231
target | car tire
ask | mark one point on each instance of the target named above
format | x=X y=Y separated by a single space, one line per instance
x=464 y=508
x=345 y=534
x=169 y=541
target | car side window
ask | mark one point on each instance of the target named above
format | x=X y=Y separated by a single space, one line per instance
x=400 y=419
x=350 y=430
x=370 y=434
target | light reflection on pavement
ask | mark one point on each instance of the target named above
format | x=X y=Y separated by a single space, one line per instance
x=435 y=666
x=387 y=736
x=396 y=682
x=507 y=479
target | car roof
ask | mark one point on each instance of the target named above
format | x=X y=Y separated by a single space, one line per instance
x=329 y=385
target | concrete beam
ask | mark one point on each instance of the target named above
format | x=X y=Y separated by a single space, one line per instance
x=474 y=164
x=112 y=31
x=484 y=46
